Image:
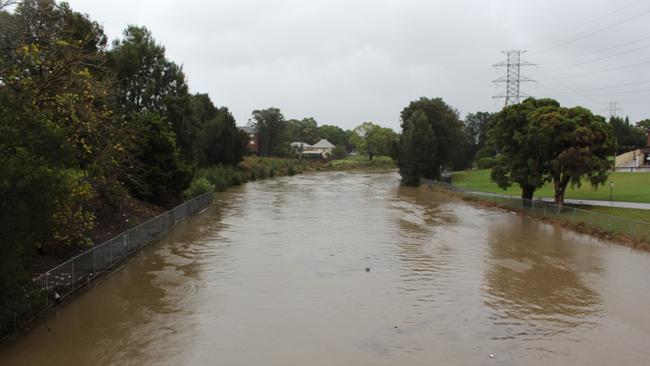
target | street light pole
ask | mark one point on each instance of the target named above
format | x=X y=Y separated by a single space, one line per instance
x=611 y=187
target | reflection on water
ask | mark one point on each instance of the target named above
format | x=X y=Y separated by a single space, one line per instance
x=350 y=268
x=538 y=292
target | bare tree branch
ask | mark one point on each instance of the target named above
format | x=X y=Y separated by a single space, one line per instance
x=7 y=3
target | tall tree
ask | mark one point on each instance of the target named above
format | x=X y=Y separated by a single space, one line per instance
x=517 y=161
x=58 y=140
x=476 y=125
x=271 y=127
x=220 y=141
x=147 y=82
x=431 y=130
x=417 y=157
x=304 y=130
x=644 y=125
x=627 y=136
x=333 y=134
x=372 y=139
x=159 y=175
x=573 y=143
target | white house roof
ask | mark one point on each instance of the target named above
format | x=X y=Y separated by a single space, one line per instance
x=248 y=129
x=299 y=144
x=324 y=144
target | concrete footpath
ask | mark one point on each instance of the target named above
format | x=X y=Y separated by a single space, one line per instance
x=637 y=205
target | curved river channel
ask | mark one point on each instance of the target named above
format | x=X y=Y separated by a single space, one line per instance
x=352 y=269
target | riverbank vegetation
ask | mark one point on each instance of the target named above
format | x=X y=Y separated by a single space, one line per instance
x=97 y=136
x=534 y=145
x=627 y=187
x=276 y=134
x=221 y=177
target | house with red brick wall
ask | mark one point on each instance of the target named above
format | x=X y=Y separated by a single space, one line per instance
x=253 y=142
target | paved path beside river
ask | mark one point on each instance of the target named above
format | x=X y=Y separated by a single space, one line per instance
x=635 y=205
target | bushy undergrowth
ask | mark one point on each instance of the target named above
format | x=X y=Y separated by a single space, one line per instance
x=221 y=177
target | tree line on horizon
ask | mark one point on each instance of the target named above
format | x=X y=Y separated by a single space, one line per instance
x=528 y=144
x=277 y=133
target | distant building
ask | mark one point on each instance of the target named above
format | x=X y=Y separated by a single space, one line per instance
x=321 y=150
x=299 y=146
x=324 y=146
x=253 y=143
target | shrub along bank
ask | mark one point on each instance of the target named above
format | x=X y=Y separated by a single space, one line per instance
x=221 y=177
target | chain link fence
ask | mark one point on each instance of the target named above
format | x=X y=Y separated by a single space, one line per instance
x=578 y=218
x=64 y=279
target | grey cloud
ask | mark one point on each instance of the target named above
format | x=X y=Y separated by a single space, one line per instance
x=345 y=62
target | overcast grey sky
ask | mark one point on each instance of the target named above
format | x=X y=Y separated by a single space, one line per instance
x=346 y=62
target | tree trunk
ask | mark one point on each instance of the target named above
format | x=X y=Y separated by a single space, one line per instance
x=527 y=192
x=560 y=188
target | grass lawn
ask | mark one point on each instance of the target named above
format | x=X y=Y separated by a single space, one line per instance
x=628 y=213
x=356 y=159
x=628 y=187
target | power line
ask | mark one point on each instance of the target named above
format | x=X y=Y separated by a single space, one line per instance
x=599 y=59
x=639 y=15
x=603 y=71
x=513 y=77
x=569 y=87
x=609 y=14
x=598 y=51
x=614 y=86
x=614 y=93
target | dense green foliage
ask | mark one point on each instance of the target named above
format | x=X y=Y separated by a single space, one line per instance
x=627 y=136
x=158 y=173
x=336 y=135
x=146 y=81
x=371 y=139
x=517 y=161
x=304 y=130
x=431 y=133
x=82 y=126
x=276 y=133
x=538 y=141
x=271 y=127
x=221 y=177
x=573 y=144
x=220 y=141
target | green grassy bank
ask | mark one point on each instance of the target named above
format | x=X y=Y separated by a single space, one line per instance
x=628 y=187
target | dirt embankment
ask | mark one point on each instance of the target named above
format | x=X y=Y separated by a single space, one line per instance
x=131 y=213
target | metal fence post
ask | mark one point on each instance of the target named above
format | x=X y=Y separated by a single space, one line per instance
x=47 y=292
x=74 y=280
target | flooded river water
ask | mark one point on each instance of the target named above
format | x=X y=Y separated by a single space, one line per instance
x=352 y=269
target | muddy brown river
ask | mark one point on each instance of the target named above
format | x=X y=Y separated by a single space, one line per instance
x=352 y=269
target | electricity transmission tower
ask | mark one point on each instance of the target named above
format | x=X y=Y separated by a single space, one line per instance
x=612 y=109
x=513 y=78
